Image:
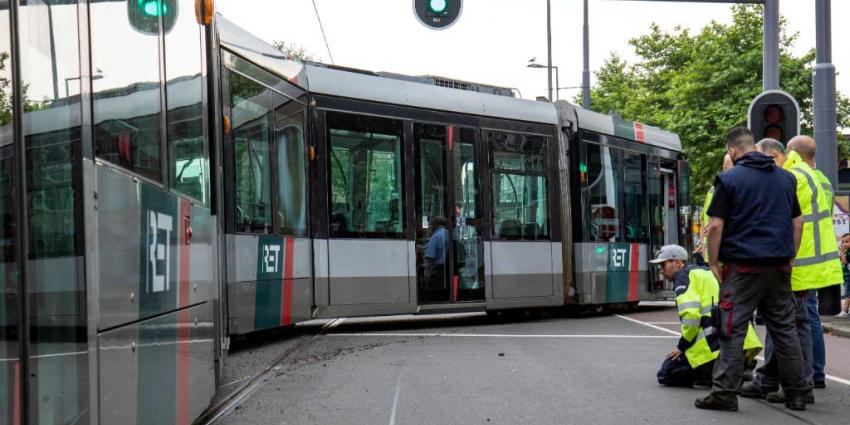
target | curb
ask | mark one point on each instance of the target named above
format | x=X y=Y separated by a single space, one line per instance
x=836 y=331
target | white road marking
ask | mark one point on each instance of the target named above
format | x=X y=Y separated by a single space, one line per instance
x=829 y=377
x=395 y=398
x=462 y=335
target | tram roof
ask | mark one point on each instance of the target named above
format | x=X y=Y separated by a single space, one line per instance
x=611 y=125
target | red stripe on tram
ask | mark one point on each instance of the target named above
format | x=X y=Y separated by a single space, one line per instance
x=16 y=398
x=455 y=282
x=640 y=136
x=633 y=272
x=286 y=304
x=451 y=137
x=183 y=317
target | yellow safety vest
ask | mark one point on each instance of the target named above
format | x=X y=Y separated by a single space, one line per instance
x=694 y=300
x=705 y=218
x=816 y=264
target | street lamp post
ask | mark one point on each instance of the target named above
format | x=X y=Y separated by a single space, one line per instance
x=533 y=64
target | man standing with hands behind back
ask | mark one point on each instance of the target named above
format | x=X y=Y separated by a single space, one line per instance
x=755 y=230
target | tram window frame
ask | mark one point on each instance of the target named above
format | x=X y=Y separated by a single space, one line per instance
x=643 y=197
x=369 y=125
x=263 y=120
x=527 y=156
x=586 y=197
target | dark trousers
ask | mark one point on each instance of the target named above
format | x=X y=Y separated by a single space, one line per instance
x=744 y=289
x=767 y=376
x=679 y=373
x=818 y=347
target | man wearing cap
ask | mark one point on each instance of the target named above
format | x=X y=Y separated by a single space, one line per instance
x=692 y=361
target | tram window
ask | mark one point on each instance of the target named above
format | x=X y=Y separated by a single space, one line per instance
x=520 y=205
x=185 y=113
x=635 y=207
x=252 y=157
x=366 y=180
x=291 y=166
x=600 y=191
x=127 y=91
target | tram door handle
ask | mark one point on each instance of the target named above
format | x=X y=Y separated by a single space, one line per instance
x=187 y=224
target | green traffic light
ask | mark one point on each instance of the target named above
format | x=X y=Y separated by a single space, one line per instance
x=152 y=7
x=438 y=6
x=582 y=168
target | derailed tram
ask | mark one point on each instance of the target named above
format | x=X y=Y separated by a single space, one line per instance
x=197 y=185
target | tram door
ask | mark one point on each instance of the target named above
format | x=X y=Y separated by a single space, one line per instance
x=449 y=248
x=662 y=182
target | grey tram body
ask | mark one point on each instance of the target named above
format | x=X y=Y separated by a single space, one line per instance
x=165 y=279
x=360 y=276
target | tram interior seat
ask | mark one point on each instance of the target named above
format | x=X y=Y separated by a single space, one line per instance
x=509 y=229
x=531 y=230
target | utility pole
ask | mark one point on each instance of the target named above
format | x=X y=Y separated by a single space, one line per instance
x=549 y=45
x=585 y=73
x=823 y=91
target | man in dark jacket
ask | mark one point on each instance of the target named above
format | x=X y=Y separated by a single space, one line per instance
x=754 y=232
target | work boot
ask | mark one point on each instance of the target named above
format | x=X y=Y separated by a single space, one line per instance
x=751 y=391
x=797 y=402
x=779 y=397
x=712 y=402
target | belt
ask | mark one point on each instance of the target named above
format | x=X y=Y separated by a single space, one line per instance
x=751 y=268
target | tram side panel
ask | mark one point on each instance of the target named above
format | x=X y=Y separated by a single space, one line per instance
x=155 y=278
x=268 y=282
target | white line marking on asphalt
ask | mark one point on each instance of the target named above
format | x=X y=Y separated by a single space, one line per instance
x=460 y=335
x=829 y=377
x=395 y=399
x=640 y=322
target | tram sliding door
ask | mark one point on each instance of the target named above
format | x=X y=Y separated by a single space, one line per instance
x=449 y=247
x=522 y=248
x=364 y=265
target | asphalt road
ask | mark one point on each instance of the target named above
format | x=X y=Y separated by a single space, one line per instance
x=470 y=369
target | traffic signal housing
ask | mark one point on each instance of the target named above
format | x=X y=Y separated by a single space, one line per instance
x=774 y=114
x=437 y=14
x=145 y=15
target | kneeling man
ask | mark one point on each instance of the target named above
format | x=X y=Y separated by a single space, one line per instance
x=692 y=361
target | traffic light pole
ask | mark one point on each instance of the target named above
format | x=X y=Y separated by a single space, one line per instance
x=823 y=85
x=549 y=45
x=585 y=73
x=770 y=66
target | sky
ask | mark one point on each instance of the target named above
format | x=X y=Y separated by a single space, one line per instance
x=493 y=40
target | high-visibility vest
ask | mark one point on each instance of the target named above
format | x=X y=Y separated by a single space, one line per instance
x=816 y=264
x=705 y=218
x=697 y=291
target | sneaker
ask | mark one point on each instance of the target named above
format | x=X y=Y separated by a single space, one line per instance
x=711 y=402
x=842 y=315
x=820 y=384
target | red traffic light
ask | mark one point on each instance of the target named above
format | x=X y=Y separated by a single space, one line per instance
x=773 y=114
x=774 y=132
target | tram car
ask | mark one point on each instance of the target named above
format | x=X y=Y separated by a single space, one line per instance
x=341 y=184
x=195 y=184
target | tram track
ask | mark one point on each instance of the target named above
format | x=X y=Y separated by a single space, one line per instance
x=221 y=409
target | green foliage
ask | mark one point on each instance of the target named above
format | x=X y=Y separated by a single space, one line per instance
x=700 y=86
x=295 y=51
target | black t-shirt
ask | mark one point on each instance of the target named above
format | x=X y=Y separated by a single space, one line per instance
x=721 y=204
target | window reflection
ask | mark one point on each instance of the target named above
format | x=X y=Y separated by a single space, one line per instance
x=127 y=99
x=185 y=115
x=600 y=203
x=635 y=207
x=520 y=206
x=249 y=105
x=366 y=182
x=291 y=167
x=51 y=122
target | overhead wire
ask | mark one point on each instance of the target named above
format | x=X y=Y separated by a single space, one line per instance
x=322 y=27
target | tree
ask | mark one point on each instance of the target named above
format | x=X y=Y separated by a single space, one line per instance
x=295 y=51
x=700 y=86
